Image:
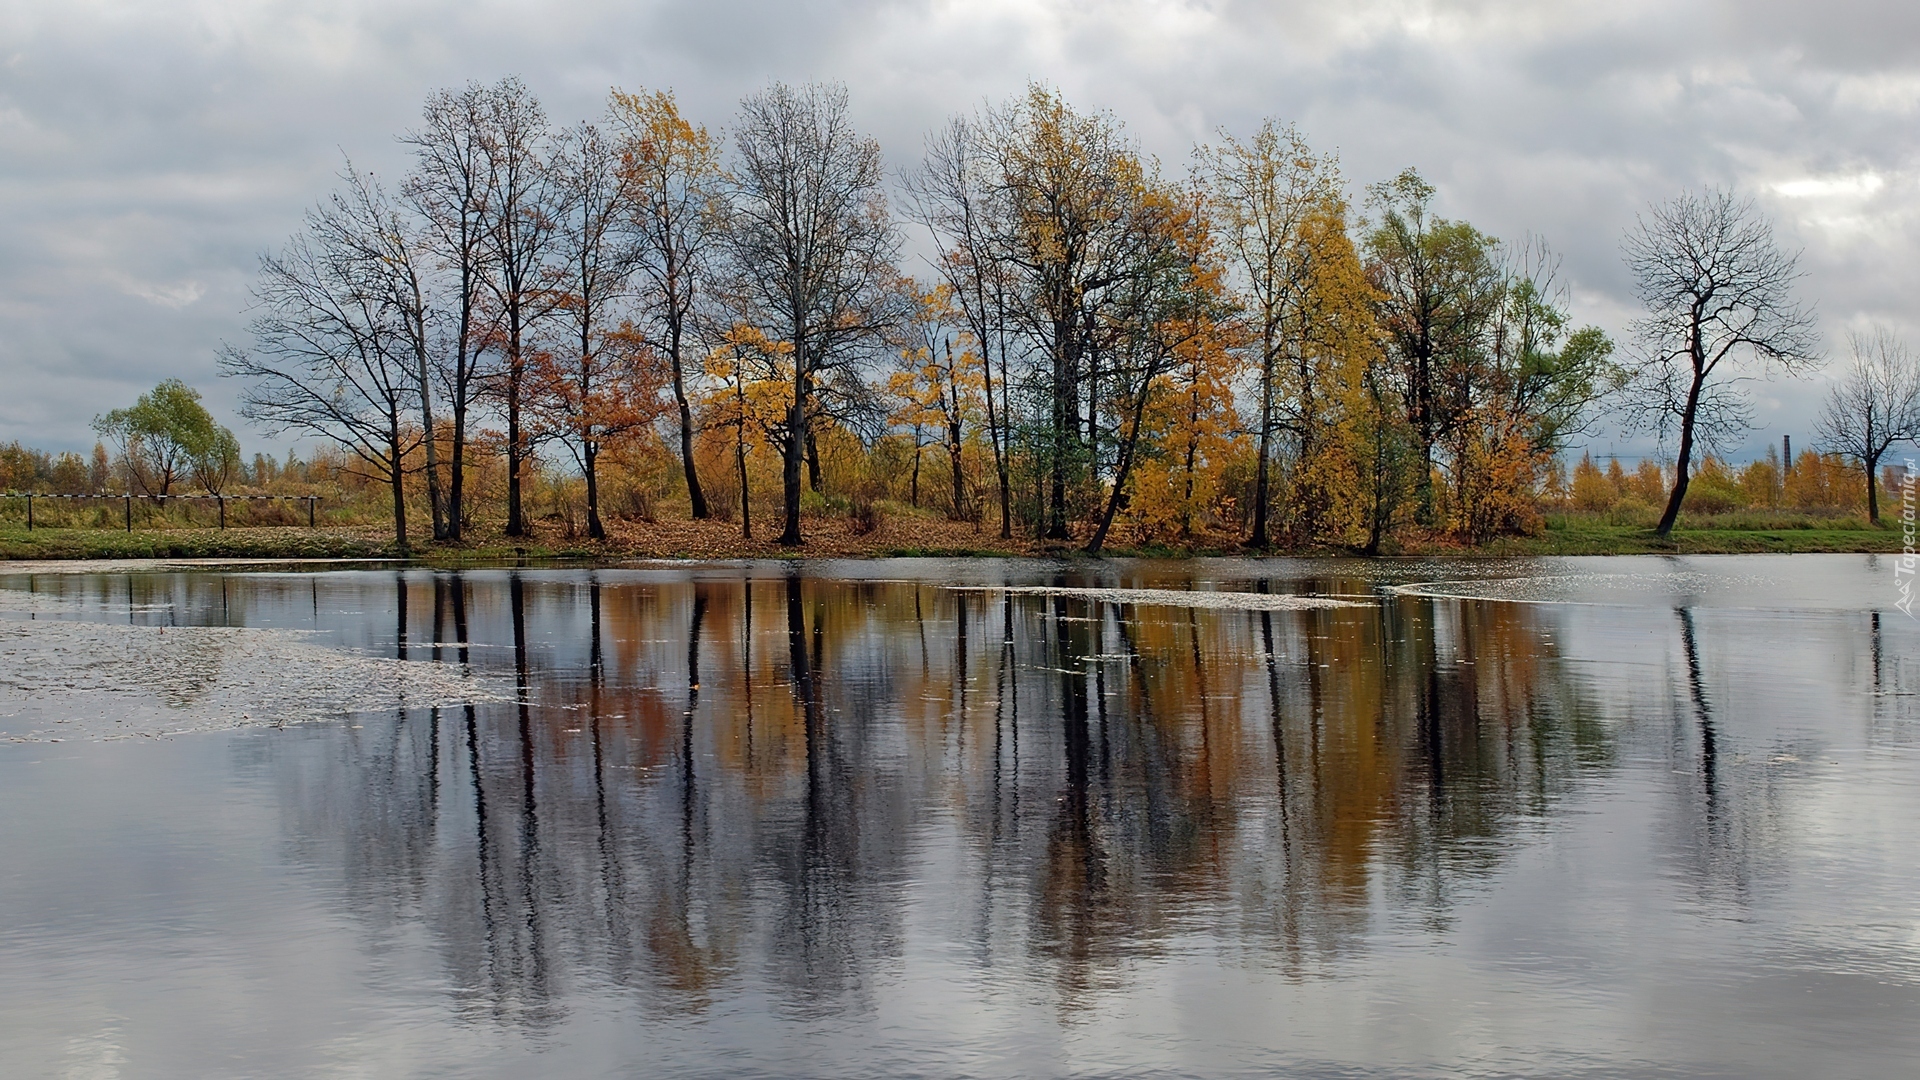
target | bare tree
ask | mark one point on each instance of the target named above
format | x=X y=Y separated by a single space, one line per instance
x=1719 y=296
x=1875 y=406
x=591 y=386
x=392 y=257
x=449 y=189
x=676 y=188
x=516 y=231
x=812 y=248
x=331 y=355
x=947 y=195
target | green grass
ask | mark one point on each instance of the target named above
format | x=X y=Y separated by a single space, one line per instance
x=1565 y=534
x=1721 y=534
x=16 y=542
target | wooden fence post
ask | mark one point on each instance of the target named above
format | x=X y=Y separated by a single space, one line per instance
x=129 y=499
x=222 y=500
x=29 y=511
x=309 y=511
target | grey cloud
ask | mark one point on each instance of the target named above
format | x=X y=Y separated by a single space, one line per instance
x=148 y=156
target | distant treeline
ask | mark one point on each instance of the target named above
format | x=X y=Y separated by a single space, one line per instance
x=24 y=469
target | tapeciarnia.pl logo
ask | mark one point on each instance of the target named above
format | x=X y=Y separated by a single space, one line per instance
x=1903 y=570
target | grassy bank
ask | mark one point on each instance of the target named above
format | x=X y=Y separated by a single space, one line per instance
x=833 y=537
x=266 y=543
x=1565 y=536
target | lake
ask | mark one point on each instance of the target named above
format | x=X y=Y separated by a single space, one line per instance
x=1608 y=817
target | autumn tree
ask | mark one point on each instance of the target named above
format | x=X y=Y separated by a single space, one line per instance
x=1875 y=405
x=676 y=188
x=1535 y=387
x=1191 y=418
x=1170 y=312
x=937 y=381
x=1071 y=226
x=1372 y=460
x=1718 y=290
x=812 y=249
x=1331 y=382
x=746 y=372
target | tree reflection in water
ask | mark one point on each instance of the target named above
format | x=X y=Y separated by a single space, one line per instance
x=729 y=783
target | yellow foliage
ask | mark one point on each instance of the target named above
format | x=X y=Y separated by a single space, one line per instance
x=1592 y=489
x=1337 y=347
x=1823 y=482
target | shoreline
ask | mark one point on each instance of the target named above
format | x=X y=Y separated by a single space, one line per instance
x=707 y=541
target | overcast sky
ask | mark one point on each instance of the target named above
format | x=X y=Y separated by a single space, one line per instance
x=150 y=152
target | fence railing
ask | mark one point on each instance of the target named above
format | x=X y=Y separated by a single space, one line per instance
x=127 y=501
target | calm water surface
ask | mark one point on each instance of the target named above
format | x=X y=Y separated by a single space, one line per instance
x=1581 y=817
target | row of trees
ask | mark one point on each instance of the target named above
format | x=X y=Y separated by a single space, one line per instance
x=1114 y=341
x=1814 y=482
x=164 y=441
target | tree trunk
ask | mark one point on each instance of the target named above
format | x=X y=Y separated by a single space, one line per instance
x=1423 y=428
x=813 y=460
x=1262 y=470
x=516 y=524
x=694 y=495
x=434 y=504
x=952 y=397
x=1123 y=467
x=1065 y=431
x=396 y=476
x=462 y=390
x=959 y=479
x=1093 y=407
x=1873 y=491
x=795 y=448
x=1686 y=456
x=740 y=458
x=589 y=457
x=997 y=436
x=457 y=468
